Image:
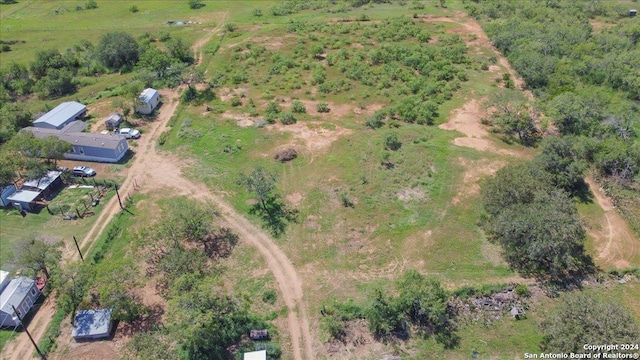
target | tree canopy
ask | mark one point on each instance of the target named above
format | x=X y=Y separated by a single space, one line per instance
x=117 y=50
x=584 y=318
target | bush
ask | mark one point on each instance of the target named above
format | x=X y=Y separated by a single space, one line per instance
x=256 y=12
x=91 y=4
x=164 y=36
x=269 y=296
x=133 y=9
x=273 y=108
x=297 y=107
x=288 y=118
x=523 y=291
x=391 y=141
x=195 y=4
x=285 y=155
x=236 y=101
x=322 y=107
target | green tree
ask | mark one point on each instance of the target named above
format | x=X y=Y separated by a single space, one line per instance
x=583 y=318
x=45 y=60
x=13 y=117
x=179 y=50
x=54 y=149
x=262 y=184
x=56 y=83
x=559 y=159
x=512 y=115
x=116 y=285
x=117 y=50
x=543 y=238
x=208 y=322
x=297 y=107
x=516 y=184
x=195 y=4
x=73 y=283
x=38 y=255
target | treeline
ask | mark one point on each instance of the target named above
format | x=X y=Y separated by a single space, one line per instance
x=585 y=78
x=53 y=74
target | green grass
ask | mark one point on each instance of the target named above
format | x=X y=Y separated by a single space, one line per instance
x=6 y=336
x=14 y=227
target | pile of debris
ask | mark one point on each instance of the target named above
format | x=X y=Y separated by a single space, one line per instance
x=489 y=308
x=286 y=155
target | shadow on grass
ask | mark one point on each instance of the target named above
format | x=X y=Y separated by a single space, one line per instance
x=275 y=215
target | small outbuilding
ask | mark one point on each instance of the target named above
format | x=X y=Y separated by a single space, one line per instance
x=113 y=121
x=92 y=324
x=46 y=184
x=633 y=12
x=148 y=101
x=24 y=200
x=255 y=355
x=19 y=293
x=61 y=115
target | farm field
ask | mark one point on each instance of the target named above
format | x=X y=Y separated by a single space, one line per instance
x=384 y=106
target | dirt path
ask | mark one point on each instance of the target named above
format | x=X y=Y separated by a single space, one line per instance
x=614 y=242
x=197 y=47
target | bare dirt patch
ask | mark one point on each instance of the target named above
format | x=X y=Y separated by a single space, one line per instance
x=311 y=134
x=467 y=121
x=294 y=199
x=475 y=170
x=242 y=120
x=410 y=194
x=226 y=93
x=615 y=244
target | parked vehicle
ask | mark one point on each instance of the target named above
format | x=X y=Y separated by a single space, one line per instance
x=83 y=171
x=128 y=133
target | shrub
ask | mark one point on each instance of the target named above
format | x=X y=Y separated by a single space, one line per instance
x=164 y=36
x=285 y=155
x=195 y=4
x=523 y=291
x=273 y=108
x=230 y=27
x=322 y=107
x=288 y=118
x=391 y=141
x=256 y=12
x=236 y=101
x=346 y=202
x=297 y=107
x=91 y=4
x=133 y=9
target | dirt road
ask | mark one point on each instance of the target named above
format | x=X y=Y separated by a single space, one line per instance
x=615 y=244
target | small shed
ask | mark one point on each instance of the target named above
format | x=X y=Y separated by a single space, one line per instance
x=92 y=324
x=113 y=121
x=24 y=199
x=633 y=12
x=50 y=182
x=19 y=293
x=255 y=355
x=148 y=100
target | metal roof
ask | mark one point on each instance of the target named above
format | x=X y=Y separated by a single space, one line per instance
x=92 y=323
x=74 y=127
x=4 y=276
x=44 y=182
x=24 y=196
x=115 y=118
x=106 y=141
x=255 y=355
x=61 y=113
x=148 y=94
x=14 y=293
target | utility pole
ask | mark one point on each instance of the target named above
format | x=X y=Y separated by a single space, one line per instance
x=28 y=334
x=117 y=193
x=78 y=247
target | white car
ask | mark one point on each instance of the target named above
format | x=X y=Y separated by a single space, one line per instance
x=128 y=133
x=83 y=171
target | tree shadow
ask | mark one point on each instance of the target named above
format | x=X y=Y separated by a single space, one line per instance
x=274 y=214
x=582 y=192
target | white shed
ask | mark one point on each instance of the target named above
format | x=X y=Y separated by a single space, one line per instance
x=149 y=99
